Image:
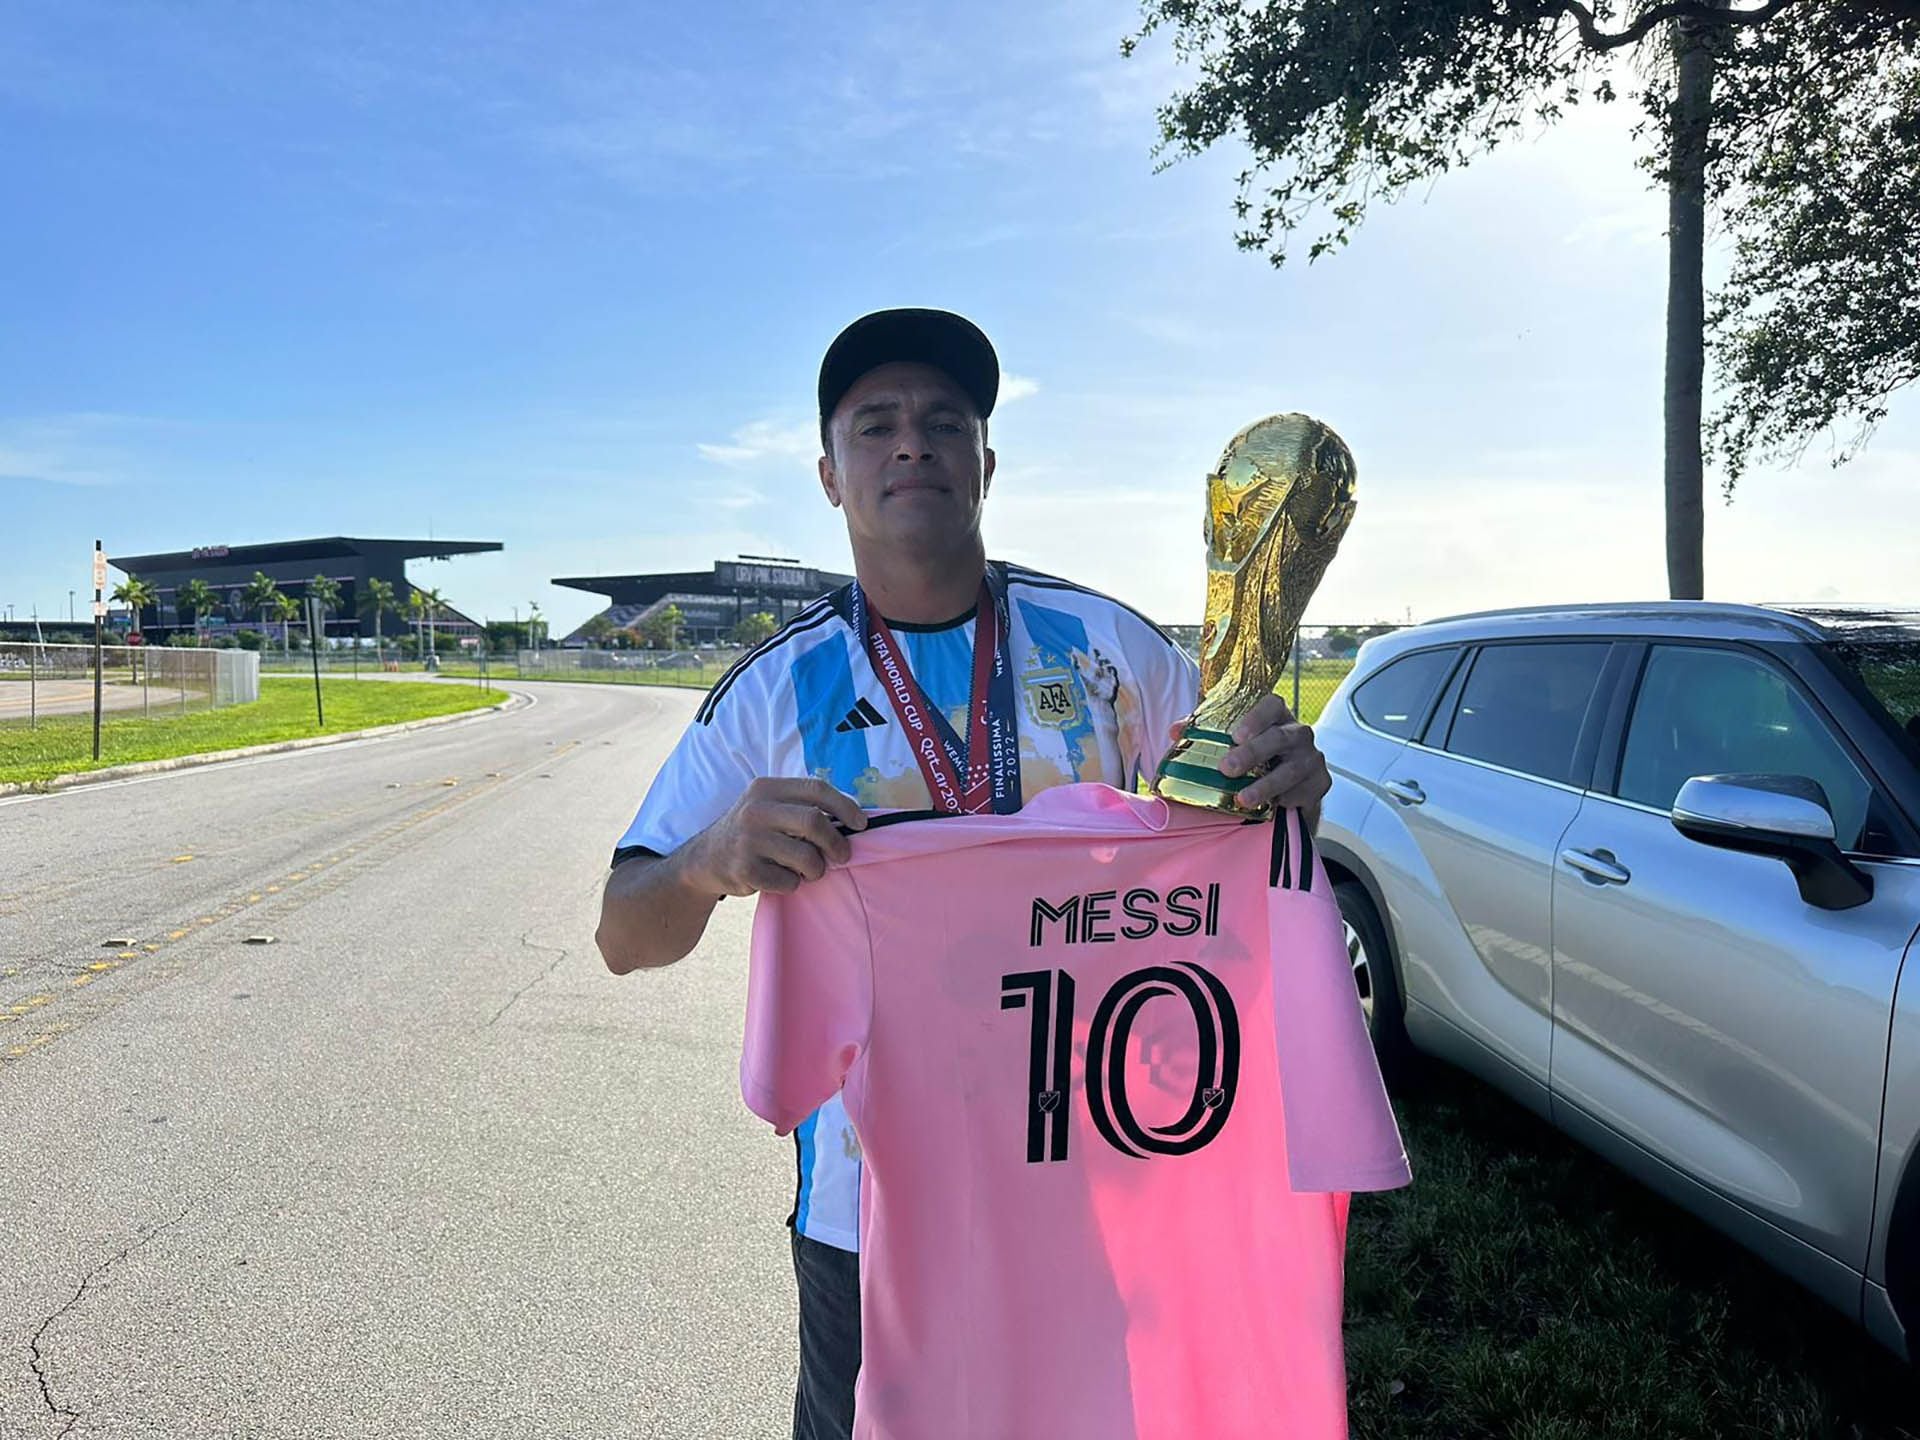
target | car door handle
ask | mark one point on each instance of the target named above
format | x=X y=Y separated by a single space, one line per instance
x=1406 y=792
x=1597 y=867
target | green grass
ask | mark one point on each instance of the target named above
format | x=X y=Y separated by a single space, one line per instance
x=1522 y=1288
x=284 y=711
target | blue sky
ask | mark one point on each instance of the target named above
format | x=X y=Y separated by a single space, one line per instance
x=560 y=276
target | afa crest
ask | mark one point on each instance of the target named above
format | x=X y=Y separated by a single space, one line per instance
x=1052 y=698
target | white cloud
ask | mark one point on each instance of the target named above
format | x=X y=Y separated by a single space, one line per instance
x=74 y=449
x=1017 y=387
x=765 y=440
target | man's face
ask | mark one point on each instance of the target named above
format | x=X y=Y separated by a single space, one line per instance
x=909 y=462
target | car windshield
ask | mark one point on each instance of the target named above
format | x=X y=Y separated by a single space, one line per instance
x=1882 y=647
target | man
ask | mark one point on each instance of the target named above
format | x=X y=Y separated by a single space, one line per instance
x=938 y=681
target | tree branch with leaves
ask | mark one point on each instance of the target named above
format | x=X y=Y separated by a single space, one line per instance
x=1796 y=121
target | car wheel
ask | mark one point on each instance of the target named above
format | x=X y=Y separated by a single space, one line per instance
x=1376 y=979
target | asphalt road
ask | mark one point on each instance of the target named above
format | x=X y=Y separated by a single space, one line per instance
x=417 y=1167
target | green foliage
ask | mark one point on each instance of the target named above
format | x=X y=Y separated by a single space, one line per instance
x=259 y=596
x=1347 y=104
x=661 y=629
x=327 y=593
x=426 y=605
x=754 y=628
x=505 y=636
x=1520 y=1287
x=284 y=711
x=197 y=599
x=1813 y=162
x=137 y=595
x=1818 y=160
x=250 y=640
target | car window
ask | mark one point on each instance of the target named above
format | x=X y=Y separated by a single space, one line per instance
x=1718 y=712
x=1523 y=705
x=1395 y=699
x=1883 y=651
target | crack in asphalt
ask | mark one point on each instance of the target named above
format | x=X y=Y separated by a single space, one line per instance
x=558 y=955
x=39 y=1355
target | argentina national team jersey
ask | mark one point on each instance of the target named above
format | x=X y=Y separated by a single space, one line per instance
x=1097 y=687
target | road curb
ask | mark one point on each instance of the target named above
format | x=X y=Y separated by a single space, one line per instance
x=515 y=701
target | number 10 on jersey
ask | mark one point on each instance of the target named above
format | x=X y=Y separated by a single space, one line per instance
x=1048 y=996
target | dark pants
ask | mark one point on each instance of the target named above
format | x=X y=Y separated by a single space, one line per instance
x=829 y=1281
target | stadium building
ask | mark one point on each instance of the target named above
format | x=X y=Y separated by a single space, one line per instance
x=347 y=561
x=711 y=603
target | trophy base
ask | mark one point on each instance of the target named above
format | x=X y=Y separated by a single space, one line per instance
x=1190 y=775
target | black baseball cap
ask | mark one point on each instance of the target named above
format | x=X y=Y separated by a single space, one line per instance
x=938 y=338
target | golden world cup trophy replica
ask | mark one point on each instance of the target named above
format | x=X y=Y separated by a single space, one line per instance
x=1277 y=506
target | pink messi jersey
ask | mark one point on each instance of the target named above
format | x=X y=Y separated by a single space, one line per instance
x=1107 y=1066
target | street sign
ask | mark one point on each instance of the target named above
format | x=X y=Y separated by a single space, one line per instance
x=99 y=569
x=99 y=609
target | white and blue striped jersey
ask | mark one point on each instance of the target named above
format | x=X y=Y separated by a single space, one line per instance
x=1097 y=688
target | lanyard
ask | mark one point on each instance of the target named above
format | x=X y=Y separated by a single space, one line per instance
x=984 y=773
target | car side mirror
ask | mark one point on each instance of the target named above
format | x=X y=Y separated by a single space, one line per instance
x=1785 y=817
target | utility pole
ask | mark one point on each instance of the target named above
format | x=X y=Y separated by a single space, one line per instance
x=99 y=624
x=313 y=616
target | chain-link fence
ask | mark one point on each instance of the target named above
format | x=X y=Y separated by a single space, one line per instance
x=1322 y=657
x=48 y=684
x=361 y=663
x=694 y=669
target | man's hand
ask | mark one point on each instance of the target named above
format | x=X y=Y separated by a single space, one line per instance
x=778 y=833
x=1296 y=772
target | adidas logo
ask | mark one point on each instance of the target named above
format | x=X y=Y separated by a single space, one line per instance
x=861 y=717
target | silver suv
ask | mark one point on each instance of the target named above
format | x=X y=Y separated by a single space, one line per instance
x=1654 y=870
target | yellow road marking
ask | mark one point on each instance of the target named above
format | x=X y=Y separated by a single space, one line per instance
x=181 y=859
x=176 y=935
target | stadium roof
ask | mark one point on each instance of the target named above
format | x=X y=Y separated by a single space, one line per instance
x=611 y=584
x=280 y=551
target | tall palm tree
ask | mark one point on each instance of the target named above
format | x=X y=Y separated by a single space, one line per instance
x=259 y=597
x=285 y=607
x=428 y=604
x=136 y=594
x=326 y=594
x=380 y=595
x=196 y=596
